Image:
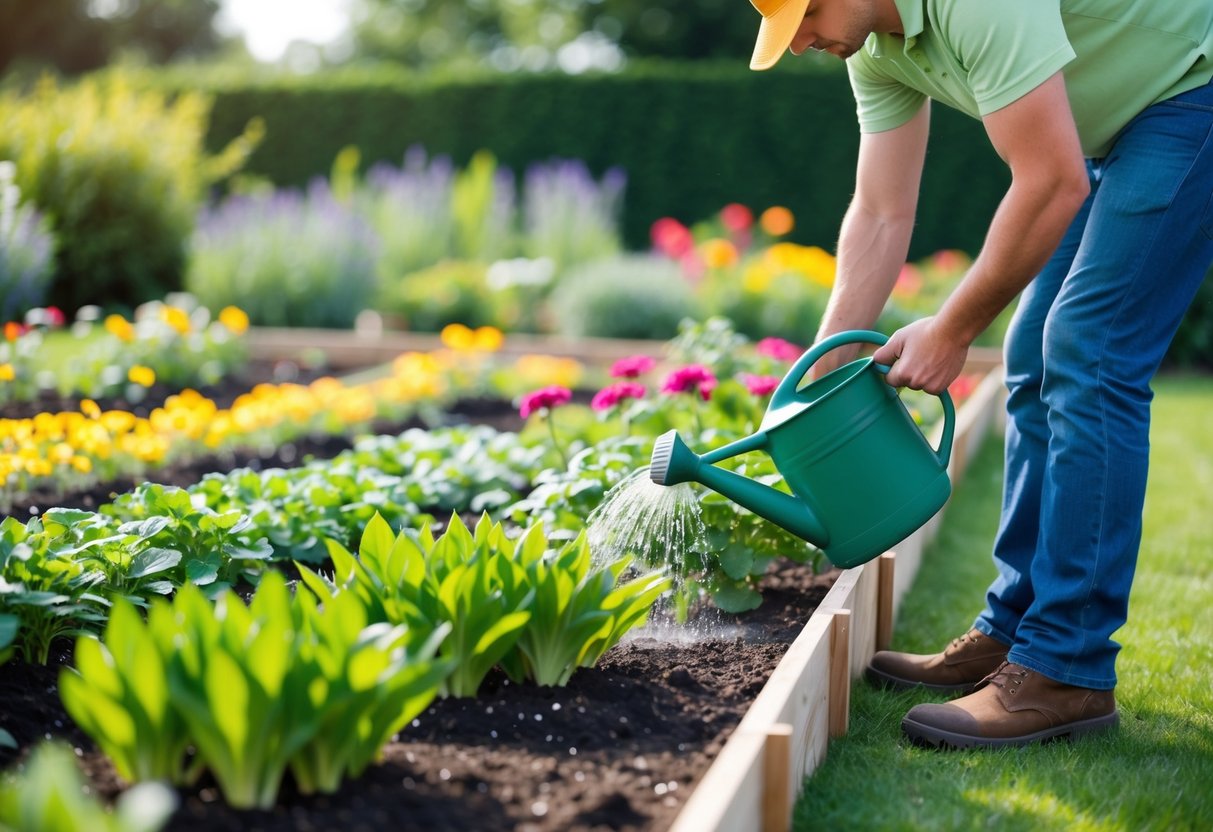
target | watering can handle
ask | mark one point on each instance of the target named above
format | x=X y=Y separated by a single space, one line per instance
x=787 y=388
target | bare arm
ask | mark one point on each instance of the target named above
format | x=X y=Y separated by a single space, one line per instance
x=1037 y=138
x=875 y=234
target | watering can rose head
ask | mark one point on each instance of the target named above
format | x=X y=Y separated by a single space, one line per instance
x=545 y=398
x=689 y=379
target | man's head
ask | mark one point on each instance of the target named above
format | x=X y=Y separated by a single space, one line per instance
x=836 y=26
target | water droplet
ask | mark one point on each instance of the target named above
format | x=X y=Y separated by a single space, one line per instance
x=539 y=808
x=555 y=706
x=444 y=774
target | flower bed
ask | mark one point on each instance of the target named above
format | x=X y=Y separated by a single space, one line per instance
x=622 y=750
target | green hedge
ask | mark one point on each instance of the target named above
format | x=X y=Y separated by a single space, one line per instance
x=690 y=137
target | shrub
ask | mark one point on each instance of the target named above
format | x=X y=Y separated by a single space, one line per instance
x=631 y=296
x=120 y=175
x=569 y=217
x=453 y=291
x=26 y=248
x=286 y=258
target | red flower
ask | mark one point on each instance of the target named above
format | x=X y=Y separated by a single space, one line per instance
x=55 y=316
x=690 y=378
x=759 y=385
x=544 y=398
x=736 y=217
x=632 y=366
x=614 y=394
x=671 y=237
x=963 y=387
x=778 y=349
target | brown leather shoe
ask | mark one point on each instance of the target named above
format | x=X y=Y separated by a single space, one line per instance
x=965 y=662
x=1013 y=706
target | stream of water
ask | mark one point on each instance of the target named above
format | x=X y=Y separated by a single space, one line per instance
x=662 y=528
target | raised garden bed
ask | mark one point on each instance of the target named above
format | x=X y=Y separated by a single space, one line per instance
x=671 y=730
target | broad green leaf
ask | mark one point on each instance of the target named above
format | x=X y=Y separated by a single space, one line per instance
x=152 y=561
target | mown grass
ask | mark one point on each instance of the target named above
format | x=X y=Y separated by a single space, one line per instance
x=1155 y=772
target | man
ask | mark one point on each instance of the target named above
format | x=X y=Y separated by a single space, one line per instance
x=1104 y=113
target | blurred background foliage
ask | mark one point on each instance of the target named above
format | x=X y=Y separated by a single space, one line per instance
x=166 y=156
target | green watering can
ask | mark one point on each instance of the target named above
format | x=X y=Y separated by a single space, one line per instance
x=863 y=475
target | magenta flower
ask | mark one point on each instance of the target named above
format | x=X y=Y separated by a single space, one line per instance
x=759 y=385
x=778 y=349
x=614 y=394
x=544 y=398
x=690 y=378
x=632 y=366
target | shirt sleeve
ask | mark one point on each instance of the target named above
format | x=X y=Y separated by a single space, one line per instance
x=1007 y=48
x=881 y=102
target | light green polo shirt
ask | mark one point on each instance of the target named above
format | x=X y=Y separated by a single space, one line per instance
x=1118 y=57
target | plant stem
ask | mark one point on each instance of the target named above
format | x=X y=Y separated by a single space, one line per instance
x=555 y=441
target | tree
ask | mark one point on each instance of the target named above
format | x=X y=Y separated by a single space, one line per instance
x=431 y=33
x=76 y=36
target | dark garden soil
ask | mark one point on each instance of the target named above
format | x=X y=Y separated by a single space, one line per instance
x=620 y=748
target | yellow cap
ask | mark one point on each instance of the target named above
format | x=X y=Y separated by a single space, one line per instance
x=780 y=20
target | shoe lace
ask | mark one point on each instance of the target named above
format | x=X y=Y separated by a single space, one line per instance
x=1005 y=673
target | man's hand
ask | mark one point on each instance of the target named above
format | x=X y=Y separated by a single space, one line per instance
x=922 y=357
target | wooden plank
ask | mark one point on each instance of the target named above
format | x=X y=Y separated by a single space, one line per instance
x=777 y=788
x=886 y=572
x=840 y=673
x=729 y=798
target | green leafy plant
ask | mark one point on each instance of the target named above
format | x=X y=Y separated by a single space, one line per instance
x=467 y=582
x=627 y=296
x=255 y=690
x=51 y=794
x=118 y=694
x=578 y=612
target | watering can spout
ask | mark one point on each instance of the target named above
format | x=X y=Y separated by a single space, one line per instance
x=673 y=462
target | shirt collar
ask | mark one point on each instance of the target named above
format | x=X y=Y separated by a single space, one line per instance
x=911 y=14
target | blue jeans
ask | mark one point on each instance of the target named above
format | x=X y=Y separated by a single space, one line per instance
x=1086 y=339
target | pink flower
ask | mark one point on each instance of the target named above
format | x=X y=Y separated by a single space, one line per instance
x=689 y=378
x=632 y=366
x=759 y=385
x=614 y=394
x=778 y=349
x=55 y=316
x=736 y=217
x=671 y=237
x=544 y=398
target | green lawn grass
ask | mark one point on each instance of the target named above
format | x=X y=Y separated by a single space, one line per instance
x=1155 y=772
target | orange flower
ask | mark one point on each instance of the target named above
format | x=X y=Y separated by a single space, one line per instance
x=777 y=221
x=719 y=254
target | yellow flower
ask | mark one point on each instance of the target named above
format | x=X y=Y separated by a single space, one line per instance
x=82 y=464
x=177 y=318
x=90 y=408
x=777 y=221
x=757 y=278
x=7 y=373
x=487 y=338
x=120 y=328
x=458 y=337
x=718 y=254
x=234 y=319
x=141 y=375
